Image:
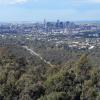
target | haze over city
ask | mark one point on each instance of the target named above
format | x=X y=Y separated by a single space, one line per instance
x=37 y=10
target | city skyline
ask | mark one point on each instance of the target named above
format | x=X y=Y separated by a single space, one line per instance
x=38 y=10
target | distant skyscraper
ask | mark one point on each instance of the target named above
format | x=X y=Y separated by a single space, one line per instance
x=45 y=23
x=57 y=23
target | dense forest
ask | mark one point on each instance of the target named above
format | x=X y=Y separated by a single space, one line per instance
x=26 y=77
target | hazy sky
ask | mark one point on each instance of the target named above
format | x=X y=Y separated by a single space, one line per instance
x=37 y=10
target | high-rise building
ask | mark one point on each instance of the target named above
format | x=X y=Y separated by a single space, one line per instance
x=57 y=23
x=45 y=23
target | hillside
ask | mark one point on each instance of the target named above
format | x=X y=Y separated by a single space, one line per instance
x=26 y=77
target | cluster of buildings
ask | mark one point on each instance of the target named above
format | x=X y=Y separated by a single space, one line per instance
x=65 y=27
x=73 y=35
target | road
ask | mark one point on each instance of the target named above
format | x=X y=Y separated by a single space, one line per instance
x=32 y=52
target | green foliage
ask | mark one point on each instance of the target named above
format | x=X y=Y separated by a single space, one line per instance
x=23 y=78
x=60 y=81
x=55 y=96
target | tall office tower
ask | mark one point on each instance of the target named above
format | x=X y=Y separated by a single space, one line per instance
x=57 y=23
x=45 y=24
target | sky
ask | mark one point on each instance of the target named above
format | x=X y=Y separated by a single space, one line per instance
x=38 y=10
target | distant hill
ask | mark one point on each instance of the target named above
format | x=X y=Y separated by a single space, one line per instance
x=88 y=22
